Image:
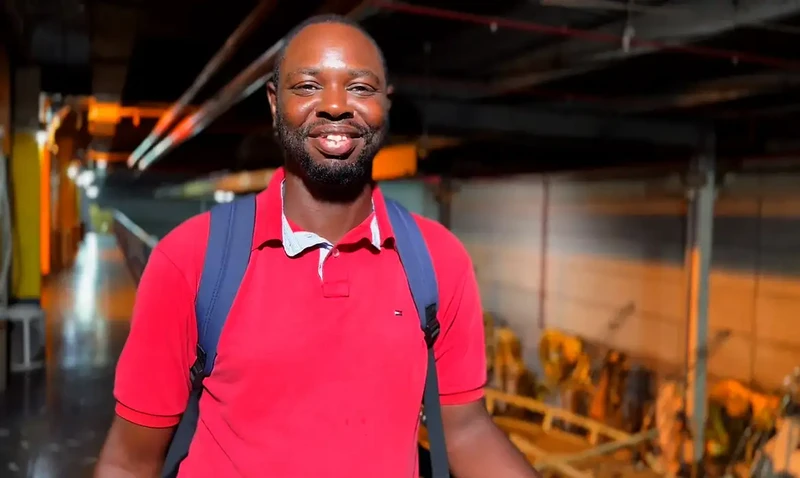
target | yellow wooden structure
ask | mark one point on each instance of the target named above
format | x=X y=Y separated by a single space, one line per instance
x=554 y=451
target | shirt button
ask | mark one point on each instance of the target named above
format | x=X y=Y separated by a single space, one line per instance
x=335 y=253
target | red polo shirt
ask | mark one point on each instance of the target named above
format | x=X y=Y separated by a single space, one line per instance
x=321 y=365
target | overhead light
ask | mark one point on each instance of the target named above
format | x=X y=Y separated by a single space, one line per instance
x=41 y=138
x=72 y=171
x=85 y=178
x=223 y=196
x=92 y=192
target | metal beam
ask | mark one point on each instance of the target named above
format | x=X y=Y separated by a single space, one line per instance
x=706 y=18
x=555 y=123
x=712 y=92
x=243 y=85
x=476 y=44
x=249 y=25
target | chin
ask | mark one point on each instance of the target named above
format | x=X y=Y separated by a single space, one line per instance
x=332 y=172
x=319 y=158
x=334 y=163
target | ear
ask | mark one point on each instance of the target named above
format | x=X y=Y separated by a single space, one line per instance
x=272 y=96
x=389 y=93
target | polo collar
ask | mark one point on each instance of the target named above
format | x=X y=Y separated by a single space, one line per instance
x=272 y=225
x=295 y=242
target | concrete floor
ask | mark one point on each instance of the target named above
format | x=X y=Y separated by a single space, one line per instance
x=53 y=421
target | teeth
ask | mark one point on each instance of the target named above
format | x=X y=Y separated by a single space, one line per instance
x=335 y=137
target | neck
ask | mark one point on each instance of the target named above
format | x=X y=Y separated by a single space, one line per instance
x=326 y=218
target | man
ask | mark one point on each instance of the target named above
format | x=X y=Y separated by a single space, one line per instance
x=321 y=365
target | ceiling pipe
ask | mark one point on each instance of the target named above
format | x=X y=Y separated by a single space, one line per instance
x=665 y=10
x=231 y=46
x=615 y=5
x=243 y=85
x=588 y=35
x=469 y=90
x=712 y=92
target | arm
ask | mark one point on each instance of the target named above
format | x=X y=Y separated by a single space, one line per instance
x=133 y=451
x=152 y=377
x=476 y=448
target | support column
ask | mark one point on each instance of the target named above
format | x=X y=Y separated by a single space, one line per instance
x=544 y=249
x=444 y=199
x=5 y=102
x=67 y=206
x=702 y=194
x=25 y=166
x=6 y=232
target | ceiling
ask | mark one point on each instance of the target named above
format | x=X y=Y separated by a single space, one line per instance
x=540 y=83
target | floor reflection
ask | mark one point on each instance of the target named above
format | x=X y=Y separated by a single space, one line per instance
x=52 y=422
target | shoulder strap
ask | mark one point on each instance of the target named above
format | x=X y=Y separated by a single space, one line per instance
x=230 y=240
x=416 y=260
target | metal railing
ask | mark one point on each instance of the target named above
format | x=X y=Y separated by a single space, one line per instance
x=135 y=242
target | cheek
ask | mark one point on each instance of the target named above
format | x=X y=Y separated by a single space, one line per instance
x=296 y=111
x=374 y=114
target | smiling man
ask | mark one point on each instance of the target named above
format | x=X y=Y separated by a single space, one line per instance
x=318 y=372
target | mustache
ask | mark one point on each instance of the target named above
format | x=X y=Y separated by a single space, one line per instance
x=362 y=130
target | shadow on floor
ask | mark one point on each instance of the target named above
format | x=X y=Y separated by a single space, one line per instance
x=53 y=421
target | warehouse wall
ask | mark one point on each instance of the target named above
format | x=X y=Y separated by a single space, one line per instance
x=156 y=216
x=415 y=195
x=159 y=216
x=579 y=256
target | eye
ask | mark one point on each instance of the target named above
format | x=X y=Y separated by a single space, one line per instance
x=361 y=89
x=305 y=88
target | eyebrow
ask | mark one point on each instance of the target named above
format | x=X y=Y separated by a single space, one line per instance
x=364 y=72
x=352 y=73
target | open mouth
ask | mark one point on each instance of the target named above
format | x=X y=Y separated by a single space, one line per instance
x=335 y=145
x=335 y=140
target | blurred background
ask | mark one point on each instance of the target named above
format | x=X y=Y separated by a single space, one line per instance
x=624 y=174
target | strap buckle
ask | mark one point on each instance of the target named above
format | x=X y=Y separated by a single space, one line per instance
x=432 y=327
x=197 y=370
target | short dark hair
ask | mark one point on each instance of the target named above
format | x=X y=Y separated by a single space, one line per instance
x=316 y=20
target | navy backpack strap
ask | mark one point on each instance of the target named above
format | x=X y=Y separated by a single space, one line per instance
x=230 y=241
x=227 y=256
x=421 y=276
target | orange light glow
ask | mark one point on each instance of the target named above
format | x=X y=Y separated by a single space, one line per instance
x=104 y=112
x=108 y=157
x=395 y=162
x=108 y=113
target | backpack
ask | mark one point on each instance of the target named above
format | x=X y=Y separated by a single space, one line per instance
x=227 y=256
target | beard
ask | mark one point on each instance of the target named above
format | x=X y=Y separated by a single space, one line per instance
x=334 y=180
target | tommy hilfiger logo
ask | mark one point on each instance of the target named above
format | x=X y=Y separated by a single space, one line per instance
x=398 y=313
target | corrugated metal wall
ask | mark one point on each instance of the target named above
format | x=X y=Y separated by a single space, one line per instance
x=159 y=216
x=415 y=195
x=577 y=255
x=614 y=249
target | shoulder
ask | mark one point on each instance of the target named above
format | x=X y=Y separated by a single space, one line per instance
x=450 y=258
x=184 y=248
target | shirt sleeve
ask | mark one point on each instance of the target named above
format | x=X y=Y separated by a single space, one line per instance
x=152 y=378
x=460 y=350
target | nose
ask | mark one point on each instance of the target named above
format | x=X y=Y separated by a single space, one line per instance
x=334 y=104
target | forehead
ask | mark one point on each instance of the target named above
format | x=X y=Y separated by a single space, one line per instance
x=331 y=45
